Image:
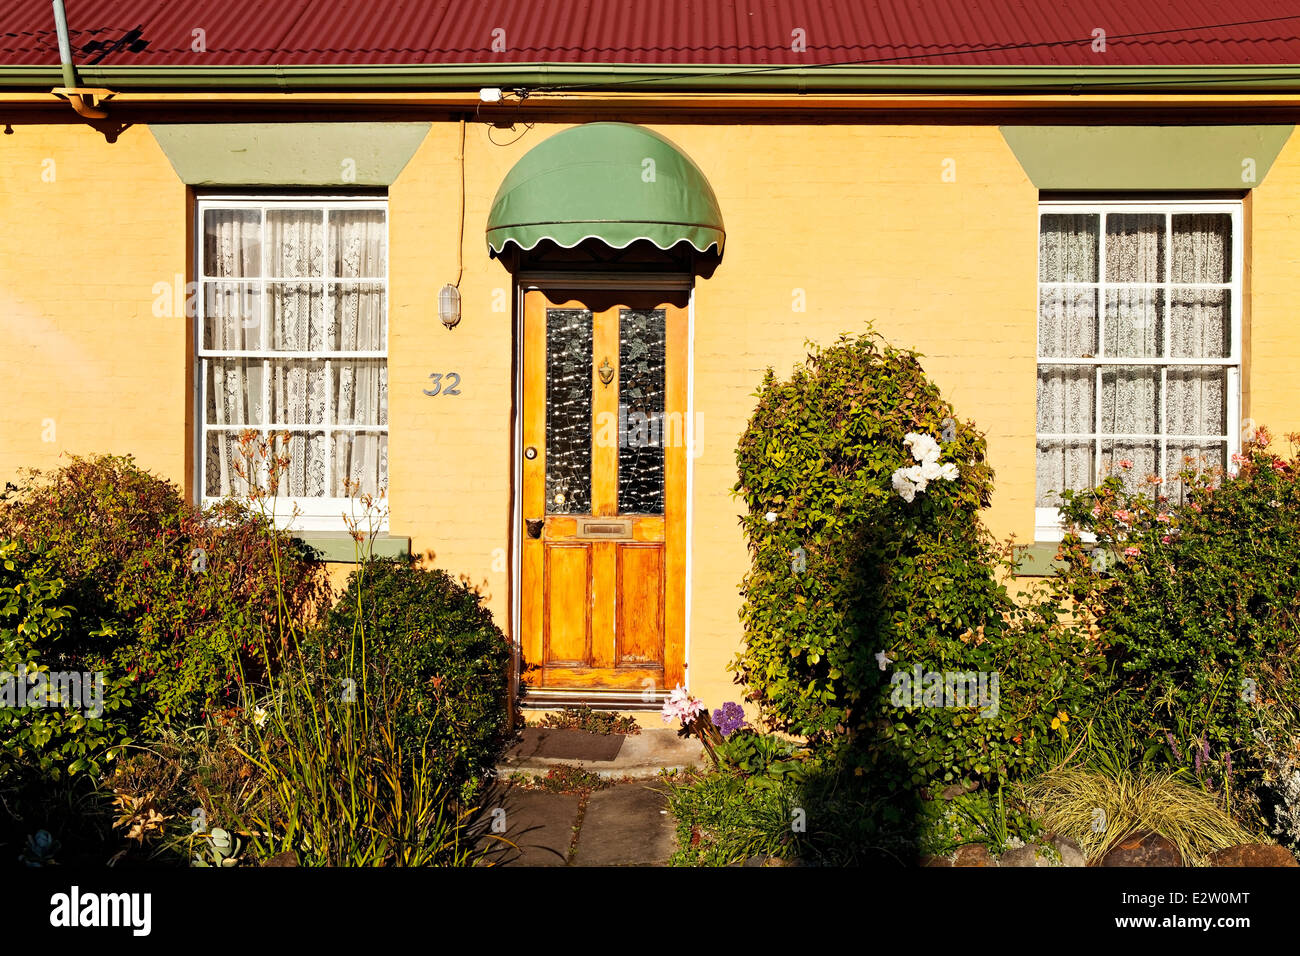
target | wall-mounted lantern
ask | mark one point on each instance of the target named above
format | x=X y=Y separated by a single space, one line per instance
x=449 y=306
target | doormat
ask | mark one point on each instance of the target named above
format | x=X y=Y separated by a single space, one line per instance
x=566 y=745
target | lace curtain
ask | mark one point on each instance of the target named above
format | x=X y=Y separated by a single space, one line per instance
x=357 y=239
x=1082 y=406
x=301 y=304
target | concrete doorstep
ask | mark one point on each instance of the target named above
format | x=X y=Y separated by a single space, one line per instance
x=640 y=757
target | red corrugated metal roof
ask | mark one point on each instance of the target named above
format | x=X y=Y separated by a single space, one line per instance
x=723 y=32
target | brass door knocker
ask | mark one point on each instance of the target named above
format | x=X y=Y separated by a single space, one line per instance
x=606 y=372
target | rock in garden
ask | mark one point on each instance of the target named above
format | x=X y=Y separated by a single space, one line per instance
x=1070 y=852
x=1031 y=854
x=936 y=861
x=287 y=858
x=1143 y=848
x=1253 y=854
x=973 y=854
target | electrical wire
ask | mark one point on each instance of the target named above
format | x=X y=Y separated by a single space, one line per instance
x=460 y=240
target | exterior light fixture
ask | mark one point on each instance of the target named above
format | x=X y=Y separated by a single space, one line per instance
x=449 y=306
x=490 y=94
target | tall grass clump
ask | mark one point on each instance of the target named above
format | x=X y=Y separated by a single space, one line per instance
x=1097 y=810
x=340 y=784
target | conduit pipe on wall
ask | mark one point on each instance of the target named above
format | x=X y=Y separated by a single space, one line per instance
x=84 y=100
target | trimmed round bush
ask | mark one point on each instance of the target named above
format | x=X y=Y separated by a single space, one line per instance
x=429 y=637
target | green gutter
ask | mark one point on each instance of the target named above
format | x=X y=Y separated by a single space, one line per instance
x=540 y=77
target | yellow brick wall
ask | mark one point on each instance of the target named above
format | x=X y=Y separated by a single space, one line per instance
x=87 y=228
x=1271 y=385
x=860 y=219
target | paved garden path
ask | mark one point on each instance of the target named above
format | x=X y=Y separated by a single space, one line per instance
x=625 y=824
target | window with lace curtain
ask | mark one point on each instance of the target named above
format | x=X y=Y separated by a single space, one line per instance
x=1139 y=343
x=292 y=338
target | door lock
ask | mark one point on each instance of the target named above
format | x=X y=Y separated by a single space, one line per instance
x=530 y=452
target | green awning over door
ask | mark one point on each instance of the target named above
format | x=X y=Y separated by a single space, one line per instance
x=615 y=182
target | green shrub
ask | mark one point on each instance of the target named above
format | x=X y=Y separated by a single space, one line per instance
x=76 y=730
x=845 y=569
x=1194 y=588
x=163 y=596
x=434 y=637
x=813 y=809
x=764 y=757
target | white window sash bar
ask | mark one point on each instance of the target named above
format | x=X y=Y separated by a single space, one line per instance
x=1098 y=384
x=1129 y=436
x=1062 y=284
x=1142 y=362
x=319 y=280
x=292 y=354
x=296 y=427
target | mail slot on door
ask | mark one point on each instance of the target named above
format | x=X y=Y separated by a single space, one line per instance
x=606 y=528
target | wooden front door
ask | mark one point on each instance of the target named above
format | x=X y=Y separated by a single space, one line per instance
x=604 y=490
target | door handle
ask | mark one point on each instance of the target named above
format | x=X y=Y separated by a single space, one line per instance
x=534 y=527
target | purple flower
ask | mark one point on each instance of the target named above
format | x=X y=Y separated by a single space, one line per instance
x=1202 y=755
x=729 y=718
x=1173 y=745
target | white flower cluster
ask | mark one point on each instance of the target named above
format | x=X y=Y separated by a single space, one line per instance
x=908 y=481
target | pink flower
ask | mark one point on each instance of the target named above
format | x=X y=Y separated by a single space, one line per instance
x=681 y=706
x=1096 y=511
x=1196 y=507
x=1125 y=463
x=1131 y=552
x=1164 y=540
x=1126 y=517
x=1163 y=519
x=1279 y=466
x=1238 y=459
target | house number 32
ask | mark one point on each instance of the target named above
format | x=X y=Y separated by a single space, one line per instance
x=452 y=386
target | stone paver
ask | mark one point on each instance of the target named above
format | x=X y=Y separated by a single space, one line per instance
x=626 y=826
x=538 y=826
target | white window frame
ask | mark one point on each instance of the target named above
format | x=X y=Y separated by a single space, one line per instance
x=315 y=514
x=1048 y=524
